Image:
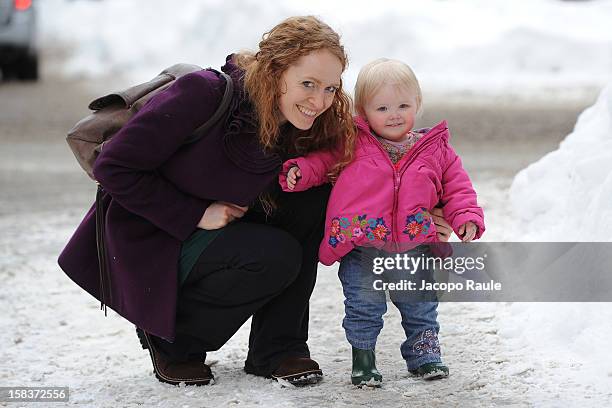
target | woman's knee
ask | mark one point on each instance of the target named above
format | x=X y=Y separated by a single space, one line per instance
x=273 y=257
x=285 y=261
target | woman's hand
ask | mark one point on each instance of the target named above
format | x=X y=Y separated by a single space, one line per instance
x=293 y=175
x=467 y=231
x=443 y=228
x=219 y=214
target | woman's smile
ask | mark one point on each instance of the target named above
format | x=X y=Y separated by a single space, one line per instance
x=307 y=112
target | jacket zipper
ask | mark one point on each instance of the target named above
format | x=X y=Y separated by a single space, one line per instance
x=407 y=160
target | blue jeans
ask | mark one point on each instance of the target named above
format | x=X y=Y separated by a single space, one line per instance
x=364 y=307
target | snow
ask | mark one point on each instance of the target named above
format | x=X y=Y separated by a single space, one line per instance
x=572 y=183
x=515 y=354
x=519 y=46
x=569 y=192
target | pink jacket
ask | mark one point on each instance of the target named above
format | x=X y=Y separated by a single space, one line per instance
x=376 y=203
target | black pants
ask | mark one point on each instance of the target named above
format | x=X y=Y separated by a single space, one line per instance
x=259 y=266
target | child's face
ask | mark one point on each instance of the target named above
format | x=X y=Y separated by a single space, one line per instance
x=391 y=111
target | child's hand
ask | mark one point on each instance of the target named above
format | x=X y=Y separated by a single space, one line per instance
x=468 y=231
x=293 y=175
x=443 y=228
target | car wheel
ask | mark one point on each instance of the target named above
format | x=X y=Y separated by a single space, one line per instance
x=28 y=68
x=9 y=71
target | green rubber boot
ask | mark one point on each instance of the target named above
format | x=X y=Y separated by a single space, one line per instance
x=364 y=369
x=431 y=371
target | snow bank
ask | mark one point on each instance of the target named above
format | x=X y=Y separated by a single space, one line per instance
x=492 y=46
x=571 y=338
x=566 y=195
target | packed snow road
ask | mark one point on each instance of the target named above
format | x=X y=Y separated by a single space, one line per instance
x=53 y=334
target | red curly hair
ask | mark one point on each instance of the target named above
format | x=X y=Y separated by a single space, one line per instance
x=280 y=48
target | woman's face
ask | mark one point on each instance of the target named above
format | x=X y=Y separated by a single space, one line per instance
x=308 y=88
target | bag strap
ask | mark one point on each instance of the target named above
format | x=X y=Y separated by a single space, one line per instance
x=227 y=97
x=105 y=280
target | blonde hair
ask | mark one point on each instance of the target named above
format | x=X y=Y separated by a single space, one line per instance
x=280 y=48
x=382 y=71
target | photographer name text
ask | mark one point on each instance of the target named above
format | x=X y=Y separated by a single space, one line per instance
x=408 y=285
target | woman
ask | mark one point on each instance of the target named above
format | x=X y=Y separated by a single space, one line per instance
x=199 y=237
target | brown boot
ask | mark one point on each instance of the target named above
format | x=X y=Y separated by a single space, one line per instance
x=188 y=372
x=298 y=371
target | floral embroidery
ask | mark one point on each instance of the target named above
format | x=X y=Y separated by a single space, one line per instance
x=427 y=344
x=418 y=223
x=342 y=229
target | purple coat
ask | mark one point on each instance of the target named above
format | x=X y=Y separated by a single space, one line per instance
x=158 y=190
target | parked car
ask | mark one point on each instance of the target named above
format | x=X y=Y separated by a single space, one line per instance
x=18 y=50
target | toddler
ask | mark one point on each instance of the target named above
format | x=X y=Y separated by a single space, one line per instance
x=381 y=201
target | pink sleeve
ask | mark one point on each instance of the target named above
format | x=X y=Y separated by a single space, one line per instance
x=314 y=168
x=458 y=196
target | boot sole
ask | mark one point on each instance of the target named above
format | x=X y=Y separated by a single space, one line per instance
x=142 y=339
x=146 y=344
x=302 y=379
x=370 y=383
x=435 y=376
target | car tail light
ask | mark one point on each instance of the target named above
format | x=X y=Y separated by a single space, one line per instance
x=23 y=4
